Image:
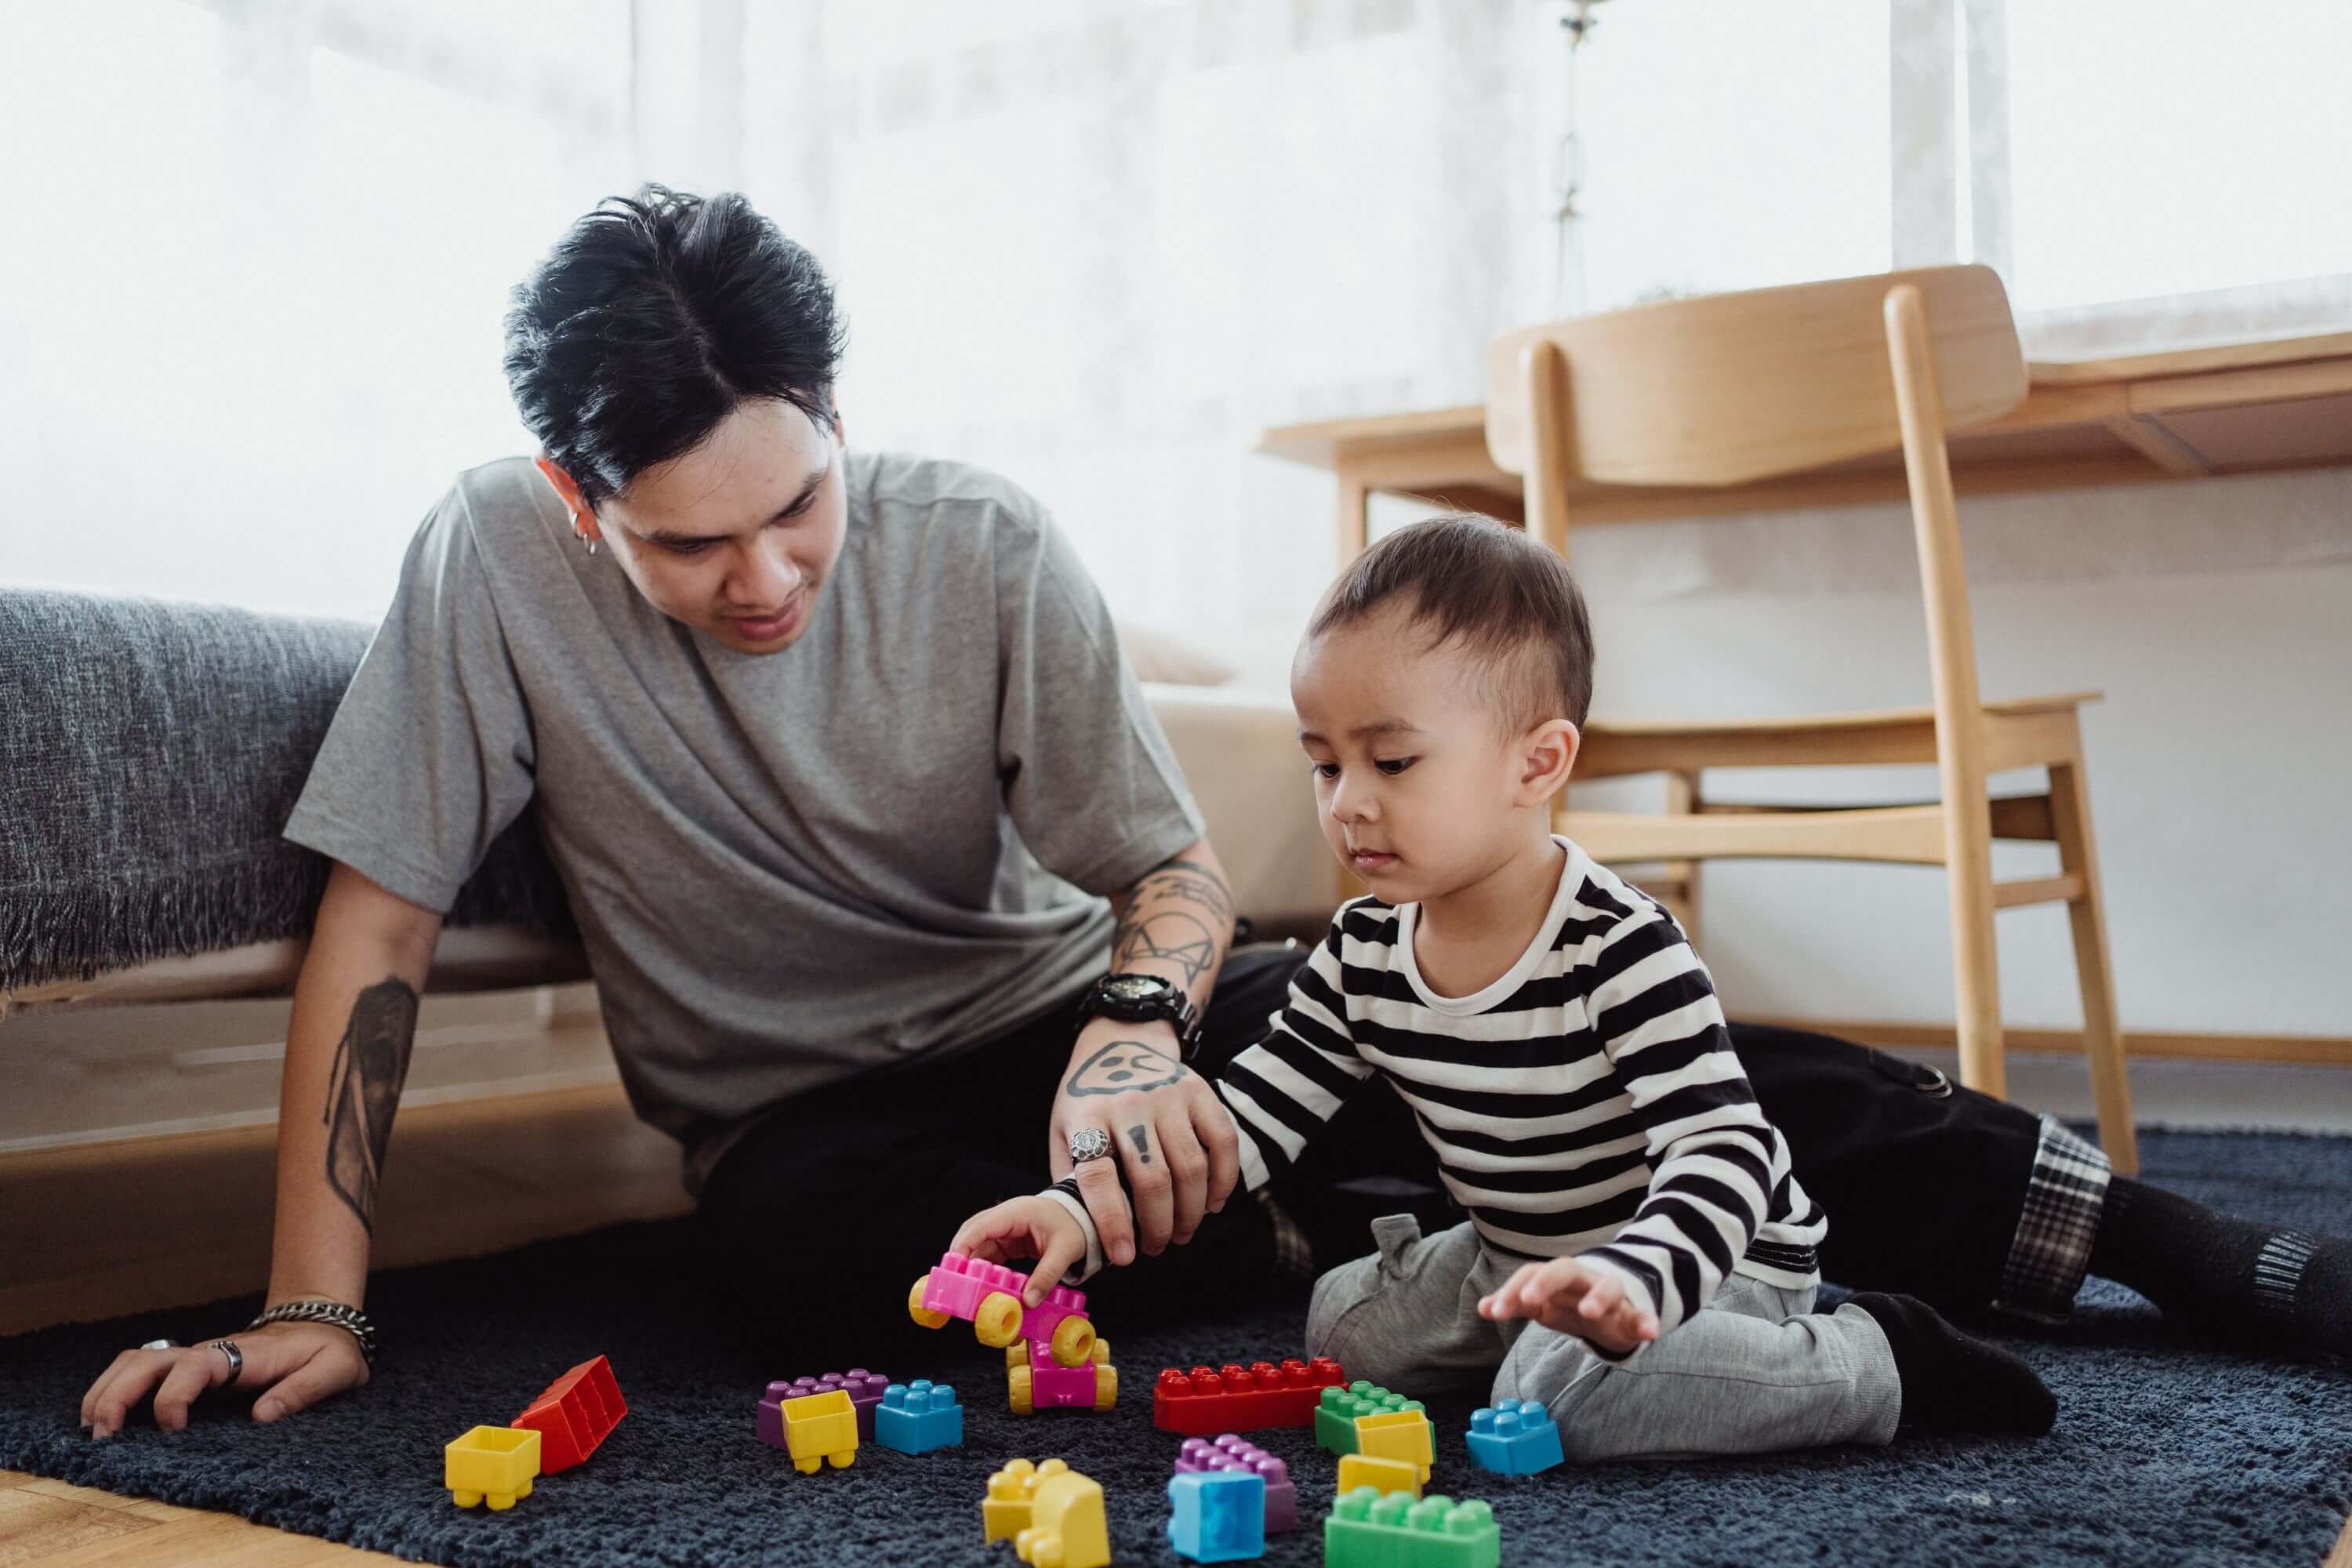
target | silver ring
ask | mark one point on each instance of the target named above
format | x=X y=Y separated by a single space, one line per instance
x=159 y=1345
x=236 y=1357
x=1089 y=1143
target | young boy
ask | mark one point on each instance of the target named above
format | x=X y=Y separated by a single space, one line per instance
x=1638 y=1256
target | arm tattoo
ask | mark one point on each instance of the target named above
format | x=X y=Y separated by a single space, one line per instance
x=1172 y=938
x=1141 y=1139
x=1181 y=878
x=1123 y=1065
x=1167 y=917
x=364 y=1091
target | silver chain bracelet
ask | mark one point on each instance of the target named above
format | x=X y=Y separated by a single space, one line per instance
x=351 y=1319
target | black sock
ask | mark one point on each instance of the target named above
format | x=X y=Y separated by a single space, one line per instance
x=1955 y=1383
x=2255 y=1285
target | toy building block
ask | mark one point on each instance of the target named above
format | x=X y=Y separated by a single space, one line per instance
x=1229 y=1453
x=864 y=1388
x=1408 y=1435
x=1374 y=1530
x=988 y=1295
x=1232 y=1398
x=1067 y=1526
x=493 y=1464
x=1337 y=1409
x=1381 y=1475
x=1515 y=1437
x=1012 y=1491
x=819 y=1429
x=1033 y=1382
x=919 y=1416
x=1217 y=1516
x=578 y=1412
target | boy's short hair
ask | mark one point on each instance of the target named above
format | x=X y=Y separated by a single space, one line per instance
x=1502 y=594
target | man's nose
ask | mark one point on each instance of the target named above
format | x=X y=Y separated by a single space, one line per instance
x=766 y=577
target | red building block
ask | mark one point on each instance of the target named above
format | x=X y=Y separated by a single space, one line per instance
x=1242 y=1399
x=578 y=1411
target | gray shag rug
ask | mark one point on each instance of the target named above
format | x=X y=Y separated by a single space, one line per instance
x=2164 y=1451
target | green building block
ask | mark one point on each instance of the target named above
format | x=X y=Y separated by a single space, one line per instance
x=1371 y=1529
x=1335 y=1415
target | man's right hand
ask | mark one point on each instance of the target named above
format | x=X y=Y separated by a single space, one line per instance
x=287 y=1366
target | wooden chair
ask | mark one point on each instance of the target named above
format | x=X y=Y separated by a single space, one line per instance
x=1734 y=387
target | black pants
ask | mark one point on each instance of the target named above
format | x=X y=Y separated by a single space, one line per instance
x=855 y=1190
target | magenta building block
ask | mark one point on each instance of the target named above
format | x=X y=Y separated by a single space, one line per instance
x=956 y=1285
x=1055 y=1387
x=1038 y=1323
x=1199 y=1456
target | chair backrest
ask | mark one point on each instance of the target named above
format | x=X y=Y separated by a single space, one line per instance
x=1731 y=387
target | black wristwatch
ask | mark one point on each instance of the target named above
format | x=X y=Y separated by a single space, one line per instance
x=1140 y=998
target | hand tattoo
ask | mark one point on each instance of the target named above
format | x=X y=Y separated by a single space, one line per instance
x=1141 y=1139
x=1123 y=1065
x=364 y=1091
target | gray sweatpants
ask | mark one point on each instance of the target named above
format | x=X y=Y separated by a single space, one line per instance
x=1754 y=1371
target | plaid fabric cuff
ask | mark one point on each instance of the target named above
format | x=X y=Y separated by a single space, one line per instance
x=2051 y=1250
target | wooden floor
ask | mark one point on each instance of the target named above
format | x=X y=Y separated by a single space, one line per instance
x=102 y=1230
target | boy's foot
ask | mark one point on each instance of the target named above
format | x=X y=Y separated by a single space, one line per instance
x=1952 y=1383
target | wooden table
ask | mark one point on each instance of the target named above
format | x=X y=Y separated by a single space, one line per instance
x=2182 y=414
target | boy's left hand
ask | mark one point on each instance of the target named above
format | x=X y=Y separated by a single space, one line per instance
x=1032 y=1226
x=1564 y=1295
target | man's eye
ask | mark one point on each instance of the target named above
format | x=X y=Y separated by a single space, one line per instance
x=689 y=551
x=1396 y=765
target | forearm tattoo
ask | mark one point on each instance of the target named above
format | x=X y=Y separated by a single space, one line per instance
x=1181 y=914
x=364 y=1091
x=1124 y=1065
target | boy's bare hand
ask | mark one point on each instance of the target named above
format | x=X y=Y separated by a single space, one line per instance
x=1566 y=1296
x=1035 y=1227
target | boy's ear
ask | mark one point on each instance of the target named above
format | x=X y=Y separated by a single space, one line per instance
x=1548 y=755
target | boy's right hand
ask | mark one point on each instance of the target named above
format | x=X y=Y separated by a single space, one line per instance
x=291 y=1366
x=1032 y=1226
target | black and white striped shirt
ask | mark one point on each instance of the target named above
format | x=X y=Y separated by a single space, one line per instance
x=1587 y=1103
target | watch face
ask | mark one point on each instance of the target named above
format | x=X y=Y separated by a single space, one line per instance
x=1135 y=987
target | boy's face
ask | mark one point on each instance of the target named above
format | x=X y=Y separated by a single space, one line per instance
x=1420 y=787
x=736 y=537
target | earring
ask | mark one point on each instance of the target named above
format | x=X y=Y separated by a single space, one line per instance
x=585 y=540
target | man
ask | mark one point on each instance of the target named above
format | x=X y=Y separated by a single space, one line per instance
x=878 y=855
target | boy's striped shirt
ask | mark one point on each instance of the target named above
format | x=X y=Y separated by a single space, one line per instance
x=1588 y=1103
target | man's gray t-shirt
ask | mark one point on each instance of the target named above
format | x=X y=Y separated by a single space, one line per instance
x=881 y=844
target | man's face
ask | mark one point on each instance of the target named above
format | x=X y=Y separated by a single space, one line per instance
x=735 y=538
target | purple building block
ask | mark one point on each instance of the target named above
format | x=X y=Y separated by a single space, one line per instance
x=864 y=1388
x=1200 y=1456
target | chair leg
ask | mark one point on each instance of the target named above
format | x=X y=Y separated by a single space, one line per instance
x=2103 y=1044
x=1682 y=799
x=1976 y=965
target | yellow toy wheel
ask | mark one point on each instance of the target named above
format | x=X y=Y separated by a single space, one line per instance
x=842 y=1460
x=466 y=1499
x=1074 y=1341
x=1105 y=1387
x=1017 y=1354
x=1016 y=1386
x=1102 y=1352
x=997 y=1320
x=916 y=1310
x=807 y=1467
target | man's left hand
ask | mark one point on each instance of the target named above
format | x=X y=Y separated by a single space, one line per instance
x=1168 y=1131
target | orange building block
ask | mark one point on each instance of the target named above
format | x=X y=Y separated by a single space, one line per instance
x=578 y=1412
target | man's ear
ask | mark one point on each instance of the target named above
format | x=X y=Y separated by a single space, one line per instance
x=583 y=519
x=1548 y=755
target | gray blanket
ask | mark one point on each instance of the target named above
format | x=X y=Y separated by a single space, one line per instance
x=150 y=754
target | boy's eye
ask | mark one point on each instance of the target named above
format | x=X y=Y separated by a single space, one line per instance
x=1325 y=770
x=1396 y=765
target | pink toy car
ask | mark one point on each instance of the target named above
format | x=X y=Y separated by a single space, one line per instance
x=988 y=1296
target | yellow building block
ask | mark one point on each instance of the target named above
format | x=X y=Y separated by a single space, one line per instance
x=821 y=1429
x=1005 y=1511
x=1066 y=1528
x=496 y=1463
x=1381 y=1475
x=1397 y=1435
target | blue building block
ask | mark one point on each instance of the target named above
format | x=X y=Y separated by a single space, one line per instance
x=1217 y=1516
x=1516 y=1438
x=917 y=1417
